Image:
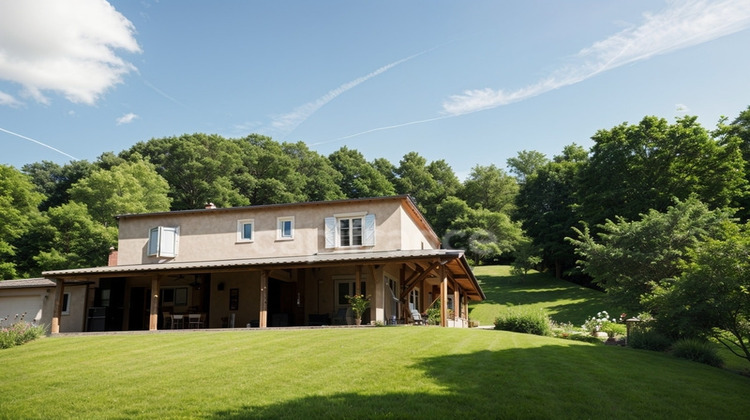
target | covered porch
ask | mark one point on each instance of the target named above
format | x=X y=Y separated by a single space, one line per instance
x=273 y=292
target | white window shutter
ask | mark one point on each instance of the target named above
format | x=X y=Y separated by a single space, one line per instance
x=168 y=242
x=368 y=234
x=330 y=232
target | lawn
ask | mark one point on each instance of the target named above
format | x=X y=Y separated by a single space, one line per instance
x=366 y=372
x=563 y=301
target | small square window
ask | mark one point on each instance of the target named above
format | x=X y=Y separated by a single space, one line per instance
x=285 y=228
x=245 y=230
x=66 y=304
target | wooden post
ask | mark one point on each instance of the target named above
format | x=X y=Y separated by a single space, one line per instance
x=153 y=317
x=443 y=298
x=358 y=279
x=59 y=293
x=456 y=302
x=263 y=323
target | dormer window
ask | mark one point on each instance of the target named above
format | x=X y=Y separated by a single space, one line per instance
x=163 y=241
x=350 y=230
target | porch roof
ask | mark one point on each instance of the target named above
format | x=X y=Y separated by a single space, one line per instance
x=453 y=260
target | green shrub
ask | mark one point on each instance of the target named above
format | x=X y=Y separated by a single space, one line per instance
x=648 y=339
x=19 y=332
x=529 y=321
x=698 y=351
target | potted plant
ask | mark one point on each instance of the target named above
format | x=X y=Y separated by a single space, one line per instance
x=359 y=303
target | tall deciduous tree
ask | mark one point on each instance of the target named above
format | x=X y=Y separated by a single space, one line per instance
x=637 y=260
x=634 y=168
x=321 y=180
x=131 y=187
x=18 y=204
x=54 y=181
x=489 y=187
x=526 y=163
x=546 y=206
x=359 y=178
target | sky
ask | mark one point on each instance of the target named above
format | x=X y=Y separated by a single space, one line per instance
x=470 y=82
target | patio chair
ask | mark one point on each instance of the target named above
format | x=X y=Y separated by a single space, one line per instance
x=177 y=321
x=417 y=318
x=341 y=317
x=166 y=320
x=195 y=321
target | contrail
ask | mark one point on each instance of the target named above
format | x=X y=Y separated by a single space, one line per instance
x=390 y=127
x=37 y=142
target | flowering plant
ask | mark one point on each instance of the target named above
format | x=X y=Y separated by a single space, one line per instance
x=601 y=322
x=359 y=303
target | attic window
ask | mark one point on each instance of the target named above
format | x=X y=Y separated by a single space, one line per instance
x=163 y=241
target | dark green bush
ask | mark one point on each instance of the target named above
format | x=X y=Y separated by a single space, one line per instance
x=700 y=351
x=648 y=339
x=527 y=321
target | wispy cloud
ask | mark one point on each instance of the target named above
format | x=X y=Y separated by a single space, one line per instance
x=682 y=24
x=288 y=122
x=127 y=118
x=37 y=142
x=65 y=46
x=9 y=100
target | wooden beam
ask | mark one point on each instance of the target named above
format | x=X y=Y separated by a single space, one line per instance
x=263 y=322
x=59 y=293
x=443 y=298
x=357 y=279
x=153 y=316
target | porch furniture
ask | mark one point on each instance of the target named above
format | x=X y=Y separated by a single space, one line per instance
x=177 y=321
x=416 y=317
x=341 y=318
x=166 y=320
x=195 y=321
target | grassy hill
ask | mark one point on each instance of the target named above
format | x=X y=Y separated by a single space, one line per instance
x=389 y=372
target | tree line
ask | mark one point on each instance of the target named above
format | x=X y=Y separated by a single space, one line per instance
x=576 y=214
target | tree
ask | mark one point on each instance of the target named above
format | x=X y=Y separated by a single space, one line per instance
x=634 y=168
x=359 y=178
x=547 y=208
x=485 y=235
x=75 y=239
x=321 y=180
x=526 y=163
x=738 y=132
x=131 y=187
x=198 y=168
x=489 y=187
x=54 y=181
x=429 y=184
x=18 y=204
x=635 y=261
x=712 y=296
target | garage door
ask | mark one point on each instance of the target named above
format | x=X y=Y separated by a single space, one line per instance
x=10 y=306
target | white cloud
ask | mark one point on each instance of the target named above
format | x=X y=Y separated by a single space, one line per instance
x=682 y=24
x=9 y=100
x=126 y=119
x=65 y=46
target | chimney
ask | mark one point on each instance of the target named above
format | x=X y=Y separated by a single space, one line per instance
x=112 y=257
x=210 y=206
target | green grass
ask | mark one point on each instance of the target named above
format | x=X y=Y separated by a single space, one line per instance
x=393 y=372
x=563 y=301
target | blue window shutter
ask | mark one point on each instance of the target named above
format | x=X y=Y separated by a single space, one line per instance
x=368 y=238
x=330 y=232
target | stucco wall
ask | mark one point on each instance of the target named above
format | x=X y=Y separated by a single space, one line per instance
x=212 y=234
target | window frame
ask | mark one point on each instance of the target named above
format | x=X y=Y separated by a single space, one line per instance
x=333 y=230
x=66 y=304
x=241 y=230
x=167 y=241
x=280 y=224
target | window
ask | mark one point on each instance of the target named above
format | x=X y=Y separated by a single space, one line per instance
x=245 y=230
x=163 y=241
x=66 y=304
x=414 y=299
x=346 y=288
x=285 y=228
x=350 y=230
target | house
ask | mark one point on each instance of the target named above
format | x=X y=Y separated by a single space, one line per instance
x=33 y=301
x=271 y=265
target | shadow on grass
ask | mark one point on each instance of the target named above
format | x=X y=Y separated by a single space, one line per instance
x=552 y=381
x=565 y=301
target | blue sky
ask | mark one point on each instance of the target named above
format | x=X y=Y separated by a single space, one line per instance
x=471 y=82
